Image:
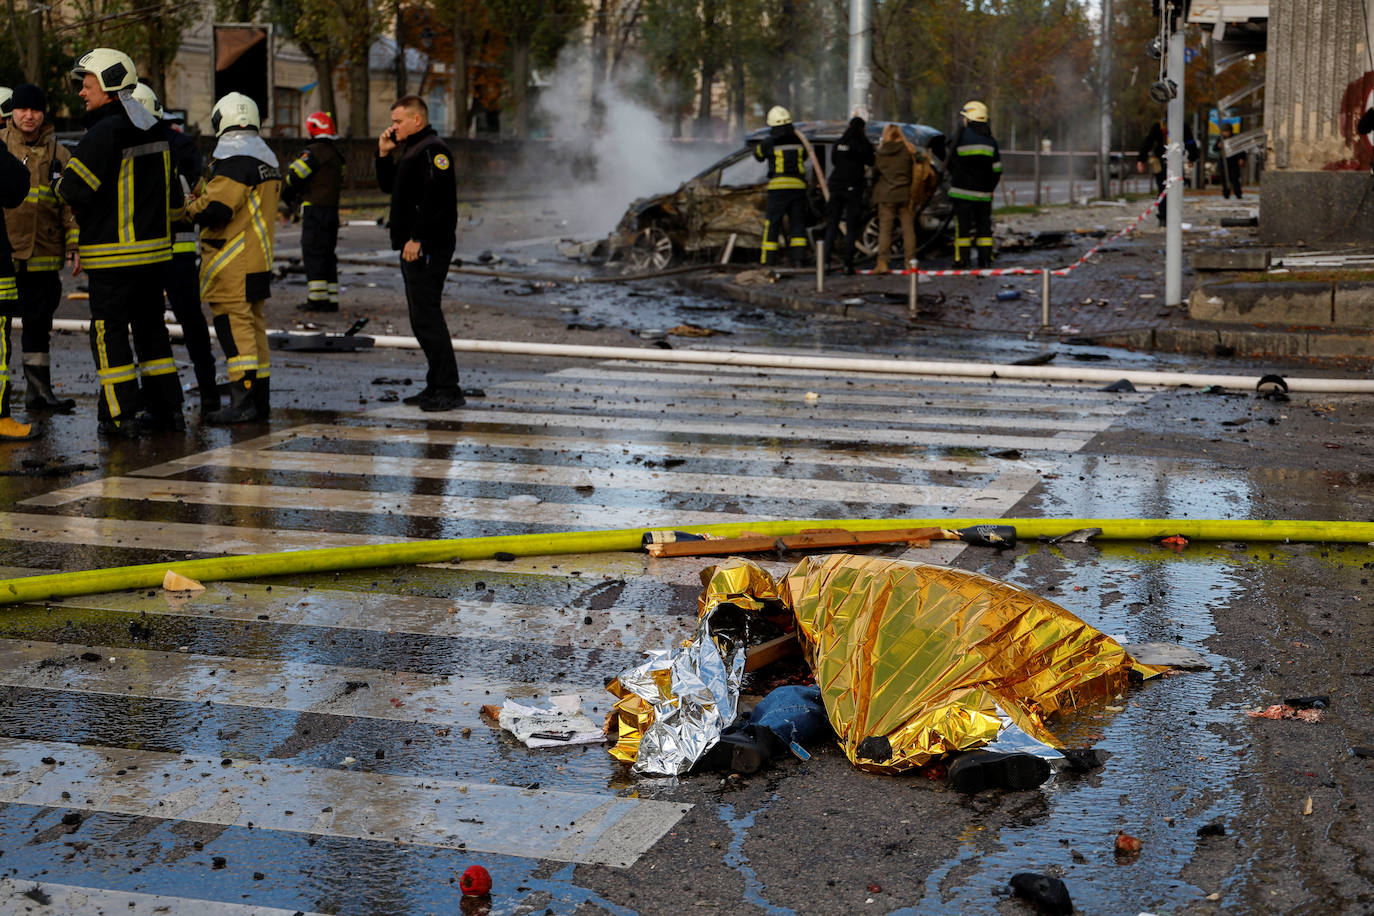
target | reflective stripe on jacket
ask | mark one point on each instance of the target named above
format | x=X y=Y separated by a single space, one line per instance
x=237 y=216
x=786 y=158
x=975 y=163
x=42 y=229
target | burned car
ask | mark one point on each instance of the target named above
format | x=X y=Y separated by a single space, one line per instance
x=729 y=198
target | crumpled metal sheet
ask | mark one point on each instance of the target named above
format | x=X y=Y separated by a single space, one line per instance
x=914 y=660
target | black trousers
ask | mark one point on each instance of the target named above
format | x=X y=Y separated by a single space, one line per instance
x=789 y=203
x=40 y=292
x=424 y=282
x=847 y=203
x=126 y=302
x=972 y=227
x=319 y=238
x=183 y=296
x=1162 y=178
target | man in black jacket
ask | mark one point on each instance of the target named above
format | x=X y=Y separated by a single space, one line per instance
x=424 y=219
x=848 y=189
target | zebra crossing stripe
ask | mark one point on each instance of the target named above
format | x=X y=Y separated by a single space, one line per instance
x=426 y=811
x=76 y=900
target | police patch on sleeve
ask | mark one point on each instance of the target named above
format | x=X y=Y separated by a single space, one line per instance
x=441 y=161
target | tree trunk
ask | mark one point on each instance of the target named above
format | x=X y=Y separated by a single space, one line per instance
x=358 y=96
x=599 y=55
x=399 y=66
x=737 y=91
x=708 y=77
x=33 y=47
x=519 y=88
x=461 y=92
x=1035 y=137
x=324 y=79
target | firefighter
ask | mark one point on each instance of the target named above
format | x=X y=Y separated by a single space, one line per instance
x=6 y=104
x=117 y=183
x=42 y=232
x=786 y=158
x=975 y=168
x=182 y=283
x=14 y=186
x=237 y=215
x=315 y=179
x=424 y=222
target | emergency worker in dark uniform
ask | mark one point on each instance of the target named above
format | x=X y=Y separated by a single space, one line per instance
x=237 y=214
x=182 y=281
x=1152 y=156
x=786 y=158
x=118 y=184
x=14 y=186
x=416 y=169
x=850 y=156
x=975 y=168
x=315 y=178
x=42 y=232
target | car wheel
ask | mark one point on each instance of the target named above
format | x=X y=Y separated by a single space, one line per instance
x=651 y=250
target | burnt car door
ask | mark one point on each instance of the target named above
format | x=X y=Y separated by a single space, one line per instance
x=728 y=199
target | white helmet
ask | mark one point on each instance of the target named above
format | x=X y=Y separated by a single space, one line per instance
x=145 y=96
x=975 y=111
x=6 y=101
x=113 y=70
x=778 y=116
x=235 y=111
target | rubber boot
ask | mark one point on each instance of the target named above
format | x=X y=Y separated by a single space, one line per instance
x=11 y=430
x=39 y=395
x=984 y=257
x=242 y=407
x=262 y=397
x=209 y=390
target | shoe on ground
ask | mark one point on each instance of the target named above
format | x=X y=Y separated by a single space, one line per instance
x=121 y=428
x=436 y=401
x=980 y=770
x=318 y=307
x=736 y=752
x=413 y=399
x=11 y=430
x=849 y=270
x=162 y=422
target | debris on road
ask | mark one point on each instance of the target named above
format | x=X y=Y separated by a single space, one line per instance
x=176 y=582
x=1127 y=846
x=560 y=724
x=1284 y=711
x=680 y=545
x=1077 y=536
x=913 y=662
x=42 y=467
x=1050 y=894
x=475 y=882
x=787 y=719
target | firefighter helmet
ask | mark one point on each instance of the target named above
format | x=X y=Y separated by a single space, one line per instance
x=113 y=70
x=235 y=111
x=778 y=116
x=145 y=96
x=974 y=111
x=6 y=101
x=320 y=124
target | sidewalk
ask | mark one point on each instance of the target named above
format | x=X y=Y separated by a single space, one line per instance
x=1116 y=298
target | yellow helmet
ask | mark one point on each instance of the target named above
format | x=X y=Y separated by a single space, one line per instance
x=974 y=111
x=777 y=116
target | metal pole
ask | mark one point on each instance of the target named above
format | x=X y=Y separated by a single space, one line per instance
x=914 y=270
x=729 y=248
x=860 y=53
x=1173 y=247
x=1044 y=298
x=820 y=266
x=1104 y=103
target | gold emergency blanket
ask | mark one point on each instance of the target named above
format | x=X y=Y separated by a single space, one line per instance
x=913 y=660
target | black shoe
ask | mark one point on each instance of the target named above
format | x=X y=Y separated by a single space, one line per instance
x=413 y=399
x=849 y=270
x=318 y=307
x=119 y=428
x=979 y=770
x=162 y=421
x=436 y=401
x=736 y=752
x=39 y=394
x=242 y=407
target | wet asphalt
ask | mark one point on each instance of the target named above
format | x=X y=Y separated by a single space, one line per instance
x=239 y=712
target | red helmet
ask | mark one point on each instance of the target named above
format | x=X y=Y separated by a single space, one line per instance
x=320 y=124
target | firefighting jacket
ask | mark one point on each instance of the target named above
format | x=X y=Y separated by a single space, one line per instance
x=424 y=194
x=975 y=163
x=786 y=158
x=237 y=215
x=187 y=165
x=42 y=229
x=14 y=184
x=119 y=183
x=315 y=176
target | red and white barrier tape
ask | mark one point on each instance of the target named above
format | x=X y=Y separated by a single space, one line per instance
x=1036 y=271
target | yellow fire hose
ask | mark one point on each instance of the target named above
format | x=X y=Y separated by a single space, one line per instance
x=332 y=559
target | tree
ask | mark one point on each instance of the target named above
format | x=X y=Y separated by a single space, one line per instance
x=536 y=31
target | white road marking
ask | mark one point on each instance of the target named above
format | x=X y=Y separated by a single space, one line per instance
x=176 y=536
x=75 y=900
x=419 y=811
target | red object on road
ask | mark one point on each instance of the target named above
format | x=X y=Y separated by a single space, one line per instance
x=476 y=882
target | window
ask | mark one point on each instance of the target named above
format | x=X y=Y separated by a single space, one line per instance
x=288 y=117
x=744 y=173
